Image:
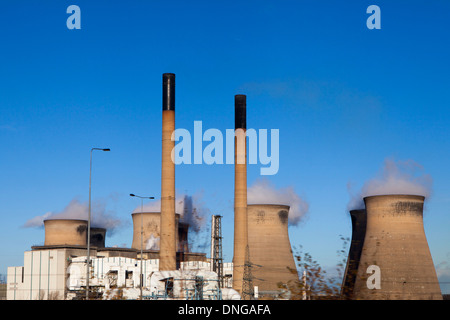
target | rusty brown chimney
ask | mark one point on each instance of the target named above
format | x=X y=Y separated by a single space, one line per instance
x=240 y=193
x=168 y=233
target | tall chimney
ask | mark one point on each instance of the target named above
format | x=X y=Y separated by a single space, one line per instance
x=168 y=233
x=395 y=252
x=240 y=193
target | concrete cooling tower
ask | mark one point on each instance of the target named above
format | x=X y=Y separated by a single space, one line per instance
x=65 y=232
x=396 y=263
x=269 y=246
x=358 y=219
x=98 y=236
x=152 y=231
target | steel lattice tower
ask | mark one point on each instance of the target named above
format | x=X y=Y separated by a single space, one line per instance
x=247 y=284
x=217 y=260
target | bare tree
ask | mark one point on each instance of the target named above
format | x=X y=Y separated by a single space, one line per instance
x=315 y=283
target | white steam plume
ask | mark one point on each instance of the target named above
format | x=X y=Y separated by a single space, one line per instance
x=100 y=217
x=396 y=177
x=262 y=192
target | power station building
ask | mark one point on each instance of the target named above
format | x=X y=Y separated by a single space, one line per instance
x=57 y=270
x=159 y=264
x=387 y=236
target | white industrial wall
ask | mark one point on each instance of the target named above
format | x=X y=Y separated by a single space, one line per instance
x=101 y=267
x=44 y=274
x=55 y=274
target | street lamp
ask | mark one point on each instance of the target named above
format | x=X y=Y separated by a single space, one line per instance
x=142 y=233
x=89 y=225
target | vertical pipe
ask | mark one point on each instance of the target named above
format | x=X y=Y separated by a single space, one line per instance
x=240 y=193
x=167 y=254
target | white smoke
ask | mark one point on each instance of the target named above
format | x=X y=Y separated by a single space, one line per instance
x=100 y=217
x=152 y=243
x=262 y=192
x=396 y=177
x=192 y=210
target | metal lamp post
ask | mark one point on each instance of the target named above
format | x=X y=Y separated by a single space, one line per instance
x=89 y=225
x=142 y=235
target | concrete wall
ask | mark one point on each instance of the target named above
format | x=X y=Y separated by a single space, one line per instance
x=42 y=277
x=59 y=273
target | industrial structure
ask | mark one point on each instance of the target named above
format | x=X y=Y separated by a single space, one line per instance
x=65 y=232
x=168 y=231
x=271 y=257
x=240 y=192
x=358 y=219
x=388 y=233
x=216 y=247
x=395 y=262
x=149 y=224
x=159 y=264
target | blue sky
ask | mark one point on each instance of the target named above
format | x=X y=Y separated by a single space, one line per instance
x=343 y=97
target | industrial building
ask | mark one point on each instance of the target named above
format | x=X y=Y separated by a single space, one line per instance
x=388 y=233
x=57 y=270
x=158 y=265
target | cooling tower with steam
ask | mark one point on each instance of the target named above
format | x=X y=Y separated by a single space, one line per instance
x=98 y=236
x=358 y=219
x=270 y=248
x=149 y=224
x=240 y=193
x=65 y=232
x=395 y=242
x=168 y=228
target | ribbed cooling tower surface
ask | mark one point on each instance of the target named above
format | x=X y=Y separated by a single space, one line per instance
x=396 y=263
x=270 y=249
x=358 y=219
x=151 y=222
x=65 y=232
